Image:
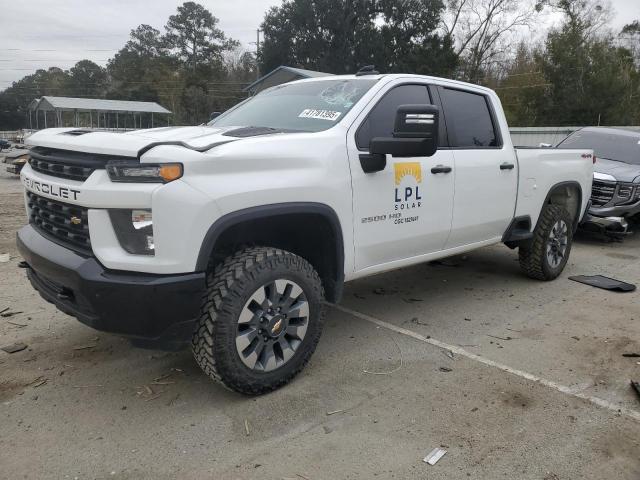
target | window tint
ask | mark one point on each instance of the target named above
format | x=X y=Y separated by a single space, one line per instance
x=381 y=119
x=468 y=119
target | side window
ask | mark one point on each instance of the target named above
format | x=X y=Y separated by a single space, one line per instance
x=381 y=118
x=468 y=119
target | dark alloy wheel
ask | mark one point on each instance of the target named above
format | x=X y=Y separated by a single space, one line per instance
x=545 y=257
x=557 y=243
x=272 y=325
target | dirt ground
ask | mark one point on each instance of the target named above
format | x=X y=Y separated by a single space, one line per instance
x=516 y=379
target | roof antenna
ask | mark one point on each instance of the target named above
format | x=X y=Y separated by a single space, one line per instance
x=367 y=70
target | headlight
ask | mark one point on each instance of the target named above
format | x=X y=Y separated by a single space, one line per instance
x=134 y=229
x=139 y=172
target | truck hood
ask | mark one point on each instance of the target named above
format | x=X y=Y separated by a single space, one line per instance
x=131 y=144
x=622 y=172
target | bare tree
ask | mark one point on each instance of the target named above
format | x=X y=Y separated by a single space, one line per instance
x=591 y=17
x=483 y=31
x=240 y=65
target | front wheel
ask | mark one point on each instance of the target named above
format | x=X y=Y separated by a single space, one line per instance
x=262 y=316
x=547 y=254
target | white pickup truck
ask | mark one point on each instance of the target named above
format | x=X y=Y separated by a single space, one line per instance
x=232 y=235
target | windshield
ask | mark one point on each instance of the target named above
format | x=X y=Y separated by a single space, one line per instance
x=306 y=106
x=620 y=147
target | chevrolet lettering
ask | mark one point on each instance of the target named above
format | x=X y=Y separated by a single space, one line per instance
x=47 y=189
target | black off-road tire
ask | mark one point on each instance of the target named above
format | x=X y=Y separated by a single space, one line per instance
x=533 y=257
x=228 y=288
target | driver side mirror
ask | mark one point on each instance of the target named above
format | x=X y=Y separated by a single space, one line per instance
x=415 y=134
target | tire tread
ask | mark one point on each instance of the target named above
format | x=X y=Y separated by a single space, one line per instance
x=532 y=257
x=227 y=282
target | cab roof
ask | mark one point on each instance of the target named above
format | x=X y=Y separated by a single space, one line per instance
x=393 y=76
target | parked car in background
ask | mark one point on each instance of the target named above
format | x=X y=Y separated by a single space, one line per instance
x=4 y=144
x=15 y=159
x=615 y=195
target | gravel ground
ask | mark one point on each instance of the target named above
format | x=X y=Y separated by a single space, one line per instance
x=537 y=387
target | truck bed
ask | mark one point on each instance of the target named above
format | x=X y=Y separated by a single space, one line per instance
x=540 y=169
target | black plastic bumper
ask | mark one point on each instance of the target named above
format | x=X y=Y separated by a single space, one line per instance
x=138 y=305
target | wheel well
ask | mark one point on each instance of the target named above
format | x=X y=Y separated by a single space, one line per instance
x=569 y=196
x=313 y=236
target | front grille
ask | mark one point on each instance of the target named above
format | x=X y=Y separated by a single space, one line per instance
x=602 y=192
x=69 y=164
x=65 y=224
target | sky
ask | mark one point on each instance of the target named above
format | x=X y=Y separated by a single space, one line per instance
x=44 y=33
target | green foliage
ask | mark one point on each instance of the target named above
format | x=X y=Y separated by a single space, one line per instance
x=339 y=36
x=193 y=69
x=579 y=75
x=591 y=81
x=87 y=79
x=142 y=70
x=193 y=38
x=84 y=79
x=521 y=87
x=578 y=78
x=185 y=70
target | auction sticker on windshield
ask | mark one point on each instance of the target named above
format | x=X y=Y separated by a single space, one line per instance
x=320 y=114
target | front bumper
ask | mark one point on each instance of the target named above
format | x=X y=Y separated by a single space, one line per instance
x=138 y=305
x=612 y=226
x=616 y=210
x=608 y=199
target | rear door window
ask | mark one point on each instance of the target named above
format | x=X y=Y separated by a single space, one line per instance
x=469 y=120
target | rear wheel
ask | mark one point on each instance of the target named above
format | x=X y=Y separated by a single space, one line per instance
x=261 y=319
x=547 y=254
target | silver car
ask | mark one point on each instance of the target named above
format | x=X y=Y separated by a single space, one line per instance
x=616 y=177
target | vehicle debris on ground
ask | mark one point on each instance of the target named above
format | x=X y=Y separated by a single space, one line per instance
x=606 y=283
x=435 y=455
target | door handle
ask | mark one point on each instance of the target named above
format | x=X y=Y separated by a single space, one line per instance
x=440 y=169
x=507 y=166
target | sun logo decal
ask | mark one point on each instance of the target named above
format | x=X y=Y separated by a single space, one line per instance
x=403 y=169
x=408 y=177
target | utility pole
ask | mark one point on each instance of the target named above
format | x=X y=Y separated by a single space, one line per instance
x=257 y=52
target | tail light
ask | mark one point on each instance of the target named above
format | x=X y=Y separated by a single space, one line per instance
x=594 y=159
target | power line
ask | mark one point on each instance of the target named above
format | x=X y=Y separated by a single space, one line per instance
x=58 y=50
x=159 y=84
x=52 y=59
x=523 y=86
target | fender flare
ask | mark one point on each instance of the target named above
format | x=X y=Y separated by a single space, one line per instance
x=520 y=232
x=276 y=209
x=568 y=183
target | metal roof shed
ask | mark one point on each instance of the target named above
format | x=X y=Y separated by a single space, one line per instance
x=58 y=105
x=282 y=74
